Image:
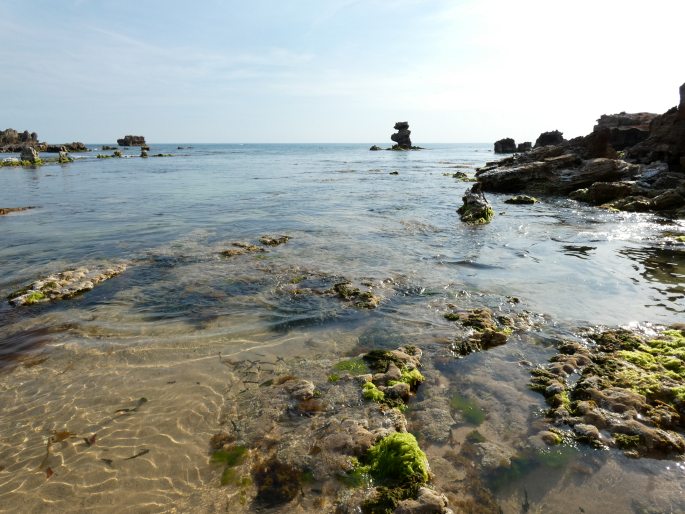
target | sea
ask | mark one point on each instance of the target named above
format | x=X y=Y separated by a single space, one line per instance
x=181 y=325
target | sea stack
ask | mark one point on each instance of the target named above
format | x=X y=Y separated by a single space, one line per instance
x=401 y=137
x=131 y=141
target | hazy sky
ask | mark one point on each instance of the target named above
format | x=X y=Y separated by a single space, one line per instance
x=333 y=70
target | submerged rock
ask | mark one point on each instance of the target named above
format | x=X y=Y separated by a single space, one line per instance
x=66 y=284
x=476 y=209
x=242 y=248
x=630 y=393
x=8 y=210
x=274 y=240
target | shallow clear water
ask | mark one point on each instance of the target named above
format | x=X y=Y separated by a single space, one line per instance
x=164 y=328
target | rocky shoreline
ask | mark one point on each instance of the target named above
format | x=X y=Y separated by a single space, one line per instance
x=630 y=162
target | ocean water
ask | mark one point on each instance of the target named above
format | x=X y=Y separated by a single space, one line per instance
x=178 y=326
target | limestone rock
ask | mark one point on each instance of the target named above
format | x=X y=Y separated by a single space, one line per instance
x=29 y=154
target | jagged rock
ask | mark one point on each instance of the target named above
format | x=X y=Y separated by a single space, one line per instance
x=131 y=141
x=29 y=154
x=549 y=138
x=375 y=148
x=64 y=157
x=143 y=153
x=666 y=141
x=12 y=137
x=476 y=209
x=506 y=145
x=401 y=137
x=625 y=129
x=524 y=147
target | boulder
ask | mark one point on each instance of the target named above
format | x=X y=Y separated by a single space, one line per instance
x=506 y=145
x=131 y=141
x=29 y=154
x=64 y=158
x=375 y=148
x=603 y=192
x=476 y=209
x=524 y=147
x=401 y=137
x=549 y=138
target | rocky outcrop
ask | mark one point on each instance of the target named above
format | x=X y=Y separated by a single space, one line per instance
x=401 y=137
x=76 y=146
x=666 y=141
x=476 y=209
x=506 y=145
x=524 y=147
x=549 y=138
x=131 y=141
x=625 y=129
x=12 y=137
x=8 y=210
x=29 y=155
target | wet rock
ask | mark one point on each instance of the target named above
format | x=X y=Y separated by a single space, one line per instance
x=427 y=502
x=143 y=153
x=274 y=240
x=602 y=192
x=277 y=483
x=64 y=157
x=29 y=154
x=8 y=210
x=64 y=285
x=117 y=153
x=221 y=440
x=300 y=389
x=432 y=422
x=401 y=137
x=494 y=456
x=375 y=148
x=549 y=138
x=667 y=201
x=131 y=141
x=360 y=299
x=521 y=200
x=242 y=248
x=506 y=145
x=476 y=209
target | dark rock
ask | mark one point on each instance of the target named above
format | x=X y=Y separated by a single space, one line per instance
x=76 y=146
x=666 y=141
x=64 y=158
x=476 y=209
x=524 y=147
x=143 y=153
x=506 y=145
x=549 y=138
x=401 y=137
x=602 y=192
x=521 y=200
x=7 y=210
x=625 y=129
x=375 y=148
x=131 y=141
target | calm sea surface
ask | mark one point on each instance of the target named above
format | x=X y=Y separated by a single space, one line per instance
x=161 y=329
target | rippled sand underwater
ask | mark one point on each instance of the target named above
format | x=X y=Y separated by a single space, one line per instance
x=109 y=399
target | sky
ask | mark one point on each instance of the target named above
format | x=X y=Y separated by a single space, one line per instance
x=332 y=71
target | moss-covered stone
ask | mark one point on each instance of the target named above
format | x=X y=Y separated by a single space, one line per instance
x=371 y=392
x=397 y=460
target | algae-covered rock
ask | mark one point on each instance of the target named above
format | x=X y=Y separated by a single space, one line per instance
x=630 y=385
x=274 y=240
x=64 y=285
x=521 y=200
x=476 y=209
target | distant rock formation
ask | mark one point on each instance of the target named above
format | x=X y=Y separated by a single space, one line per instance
x=375 y=148
x=12 y=137
x=401 y=137
x=506 y=145
x=524 y=147
x=76 y=146
x=549 y=138
x=625 y=129
x=131 y=141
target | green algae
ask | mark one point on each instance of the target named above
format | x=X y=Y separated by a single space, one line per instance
x=355 y=366
x=371 y=392
x=333 y=378
x=231 y=457
x=472 y=413
x=626 y=441
x=412 y=377
x=379 y=360
x=397 y=460
x=35 y=297
x=476 y=216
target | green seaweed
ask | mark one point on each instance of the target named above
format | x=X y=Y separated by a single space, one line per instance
x=34 y=297
x=231 y=457
x=626 y=441
x=469 y=409
x=333 y=378
x=354 y=366
x=371 y=392
x=412 y=377
x=397 y=460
